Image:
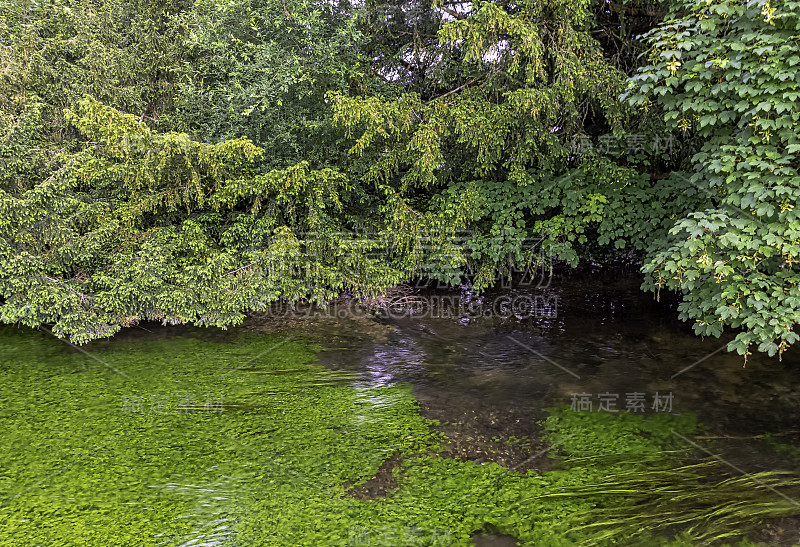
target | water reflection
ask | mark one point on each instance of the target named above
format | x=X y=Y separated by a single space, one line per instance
x=213 y=499
x=608 y=340
x=400 y=356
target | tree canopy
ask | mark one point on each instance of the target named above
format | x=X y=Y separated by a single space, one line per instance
x=193 y=161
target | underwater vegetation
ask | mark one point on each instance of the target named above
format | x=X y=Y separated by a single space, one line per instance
x=242 y=440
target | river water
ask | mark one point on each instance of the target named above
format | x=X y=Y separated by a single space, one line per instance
x=601 y=339
x=481 y=371
x=588 y=344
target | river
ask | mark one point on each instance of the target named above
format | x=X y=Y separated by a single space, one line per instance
x=253 y=436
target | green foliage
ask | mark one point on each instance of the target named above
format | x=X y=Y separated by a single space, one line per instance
x=730 y=73
x=636 y=487
x=126 y=54
x=487 y=155
x=260 y=69
x=524 y=106
x=128 y=224
x=597 y=204
x=603 y=434
x=218 y=156
x=21 y=161
x=83 y=464
x=54 y=54
x=135 y=226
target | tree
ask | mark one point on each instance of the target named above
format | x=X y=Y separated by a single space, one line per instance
x=499 y=147
x=729 y=72
x=260 y=69
x=140 y=225
x=120 y=223
x=254 y=150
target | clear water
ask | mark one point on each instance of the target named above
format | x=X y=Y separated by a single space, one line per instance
x=179 y=436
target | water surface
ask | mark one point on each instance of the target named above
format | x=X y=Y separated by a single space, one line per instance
x=182 y=436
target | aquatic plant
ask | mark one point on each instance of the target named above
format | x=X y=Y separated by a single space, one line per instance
x=272 y=460
x=637 y=487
